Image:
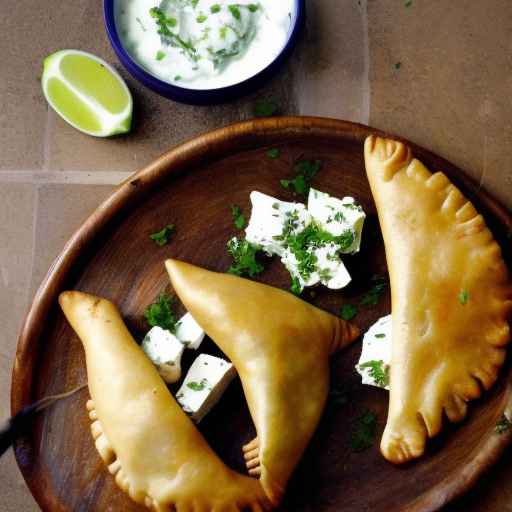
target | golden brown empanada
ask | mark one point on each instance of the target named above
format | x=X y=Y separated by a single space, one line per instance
x=451 y=297
x=155 y=452
x=280 y=346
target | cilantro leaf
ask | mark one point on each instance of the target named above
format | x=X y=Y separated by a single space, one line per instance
x=160 y=313
x=363 y=433
x=305 y=171
x=464 y=297
x=197 y=386
x=348 y=312
x=238 y=217
x=265 y=108
x=274 y=153
x=235 y=11
x=244 y=258
x=373 y=296
x=163 y=236
x=378 y=372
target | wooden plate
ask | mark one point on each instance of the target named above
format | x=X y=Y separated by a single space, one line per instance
x=111 y=255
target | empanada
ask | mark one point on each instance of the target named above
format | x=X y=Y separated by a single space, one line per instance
x=280 y=346
x=451 y=297
x=151 y=447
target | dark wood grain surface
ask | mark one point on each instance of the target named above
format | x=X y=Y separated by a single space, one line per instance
x=111 y=255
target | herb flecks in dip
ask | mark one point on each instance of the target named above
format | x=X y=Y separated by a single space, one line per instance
x=203 y=44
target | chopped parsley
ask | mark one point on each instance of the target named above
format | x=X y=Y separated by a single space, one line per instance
x=378 y=371
x=372 y=297
x=503 y=425
x=381 y=335
x=194 y=3
x=161 y=314
x=201 y=18
x=274 y=153
x=197 y=386
x=464 y=297
x=265 y=108
x=164 y=29
x=253 y=7
x=215 y=8
x=238 y=217
x=363 y=433
x=160 y=55
x=235 y=11
x=163 y=236
x=296 y=286
x=177 y=78
x=305 y=171
x=244 y=258
x=348 y=312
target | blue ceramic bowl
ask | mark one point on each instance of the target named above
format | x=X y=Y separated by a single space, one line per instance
x=202 y=96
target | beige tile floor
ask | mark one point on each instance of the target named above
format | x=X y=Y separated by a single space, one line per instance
x=450 y=93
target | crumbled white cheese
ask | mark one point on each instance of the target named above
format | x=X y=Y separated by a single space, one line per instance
x=189 y=332
x=328 y=269
x=165 y=351
x=204 y=384
x=336 y=216
x=269 y=217
x=376 y=352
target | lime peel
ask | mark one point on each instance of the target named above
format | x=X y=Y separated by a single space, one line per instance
x=80 y=92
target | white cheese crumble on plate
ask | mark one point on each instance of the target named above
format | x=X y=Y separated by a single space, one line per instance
x=374 y=363
x=336 y=216
x=269 y=217
x=204 y=384
x=165 y=351
x=189 y=332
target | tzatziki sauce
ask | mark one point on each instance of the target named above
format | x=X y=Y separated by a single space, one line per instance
x=204 y=44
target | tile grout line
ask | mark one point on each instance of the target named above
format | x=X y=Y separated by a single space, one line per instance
x=46 y=140
x=64 y=178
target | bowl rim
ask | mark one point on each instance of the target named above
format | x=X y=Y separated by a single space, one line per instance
x=201 y=96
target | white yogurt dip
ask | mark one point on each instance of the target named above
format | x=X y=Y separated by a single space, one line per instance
x=204 y=44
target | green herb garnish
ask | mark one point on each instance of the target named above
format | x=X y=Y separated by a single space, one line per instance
x=265 y=108
x=253 y=7
x=201 y=18
x=238 y=217
x=464 y=297
x=363 y=433
x=274 y=153
x=305 y=170
x=348 y=312
x=177 y=78
x=214 y=9
x=163 y=236
x=160 y=55
x=197 y=386
x=372 y=297
x=160 y=313
x=381 y=335
x=244 y=258
x=194 y=3
x=235 y=11
x=503 y=425
x=378 y=372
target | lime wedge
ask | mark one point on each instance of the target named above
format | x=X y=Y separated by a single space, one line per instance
x=87 y=92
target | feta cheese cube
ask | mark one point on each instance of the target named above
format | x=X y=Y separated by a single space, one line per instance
x=375 y=360
x=165 y=351
x=189 y=332
x=204 y=384
x=328 y=268
x=337 y=216
x=269 y=217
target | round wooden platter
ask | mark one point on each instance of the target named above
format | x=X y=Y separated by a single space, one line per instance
x=111 y=255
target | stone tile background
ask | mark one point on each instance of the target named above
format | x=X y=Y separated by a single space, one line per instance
x=436 y=72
